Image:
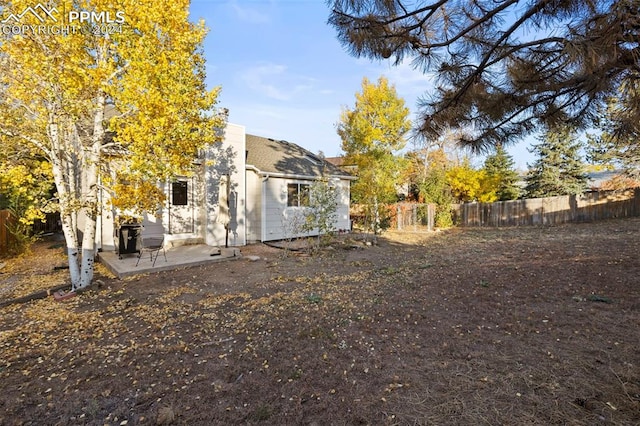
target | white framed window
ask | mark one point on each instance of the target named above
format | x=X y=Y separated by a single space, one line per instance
x=297 y=194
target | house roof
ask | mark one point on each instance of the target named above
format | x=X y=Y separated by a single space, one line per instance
x=286 y=158
x=340 y=163
x=596 y=179
x=336 y=161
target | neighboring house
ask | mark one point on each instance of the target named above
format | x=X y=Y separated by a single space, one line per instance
x=343 y=165
x=252 y=184
x=402 y=189
x=611 y=179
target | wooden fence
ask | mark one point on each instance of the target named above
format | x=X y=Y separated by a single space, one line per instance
x=588 y=207
x=413 y=216
x=6 y=239
x=400 y=216
x=50 y=224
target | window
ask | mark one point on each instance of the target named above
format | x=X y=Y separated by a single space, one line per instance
x=313 y=159
x=179 y=193
x=297 y=194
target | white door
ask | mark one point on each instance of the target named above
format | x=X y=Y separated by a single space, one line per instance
x=181 y=206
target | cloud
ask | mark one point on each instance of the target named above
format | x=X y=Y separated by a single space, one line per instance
x=275 y=82
x=405 y=76
x=310 y=127
x=260 y=78
x=250 y=15
x=408 y=81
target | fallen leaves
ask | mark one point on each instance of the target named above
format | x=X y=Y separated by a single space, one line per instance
x=318 y=336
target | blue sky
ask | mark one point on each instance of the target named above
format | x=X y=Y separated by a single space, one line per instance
x=284 y=74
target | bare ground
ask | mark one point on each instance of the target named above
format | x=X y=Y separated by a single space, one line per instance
x=534 y=326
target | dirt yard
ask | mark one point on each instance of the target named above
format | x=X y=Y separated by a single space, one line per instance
x=535 y=326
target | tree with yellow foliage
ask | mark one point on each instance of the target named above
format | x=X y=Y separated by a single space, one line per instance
x=372 y=132
x=25 y=188
x=82 y=92
x=469 y=184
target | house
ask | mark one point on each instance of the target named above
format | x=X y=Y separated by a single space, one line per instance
x=247 y=189
x=610 y=180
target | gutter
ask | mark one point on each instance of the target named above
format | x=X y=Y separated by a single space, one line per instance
x=294 y=176
x=265 y=177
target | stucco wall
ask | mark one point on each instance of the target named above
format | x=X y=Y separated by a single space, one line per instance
x=222 y=159
x=254 y=206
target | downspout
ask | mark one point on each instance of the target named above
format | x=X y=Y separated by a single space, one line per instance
x=168 y=209
x=193 y=206
x=263 y=207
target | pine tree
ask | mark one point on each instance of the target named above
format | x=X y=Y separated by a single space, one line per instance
x=612 y=147
x=500 y=169
x=558 y=169
x=504 y=67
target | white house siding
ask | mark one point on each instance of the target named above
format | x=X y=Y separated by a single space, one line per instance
x=104 y=231
x=254 y=206
x=105 y=235
x=343 y=222
x=274 y=203
x=153 y=226
x=184 y=222
x=281 y=222
x=258 y=202
x=179 y=224
x=226 y=158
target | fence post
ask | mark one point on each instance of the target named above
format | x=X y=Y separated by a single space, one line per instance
x=431 y=216
x=6 y=239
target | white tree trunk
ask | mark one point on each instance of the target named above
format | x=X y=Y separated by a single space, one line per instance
x=60 y=169
x=90 y=203
x=376 y=219
x=88 y=250
x=75 y=172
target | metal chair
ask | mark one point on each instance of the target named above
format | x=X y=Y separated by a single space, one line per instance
x=152 y=245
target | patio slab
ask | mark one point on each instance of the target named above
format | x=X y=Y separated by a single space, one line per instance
x=177 y=257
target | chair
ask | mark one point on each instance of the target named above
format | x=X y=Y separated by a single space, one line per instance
x=152 y=245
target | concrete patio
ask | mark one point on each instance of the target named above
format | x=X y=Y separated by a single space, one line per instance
x=177 y=257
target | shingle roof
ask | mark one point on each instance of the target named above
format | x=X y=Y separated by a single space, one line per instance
x=596 y=179
x=278 y=156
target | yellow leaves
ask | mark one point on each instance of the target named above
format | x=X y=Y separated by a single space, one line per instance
x=370 y=133
x=469 y=184
x=136 y=194
x=153 y=72
x=215 y=302
x=173 y=293
x=379 y=120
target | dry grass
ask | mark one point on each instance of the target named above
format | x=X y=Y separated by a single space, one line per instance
x=479 y=326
